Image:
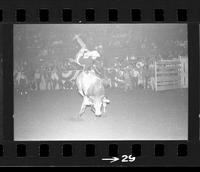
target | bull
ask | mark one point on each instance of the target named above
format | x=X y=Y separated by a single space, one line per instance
x=91 y=88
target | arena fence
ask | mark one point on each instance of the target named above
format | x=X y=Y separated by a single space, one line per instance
x=171 y=74
x=184 y=72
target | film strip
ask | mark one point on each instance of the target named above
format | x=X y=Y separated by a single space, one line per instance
x=144 y=124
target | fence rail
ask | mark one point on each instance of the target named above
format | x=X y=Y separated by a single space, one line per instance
x=171 y=74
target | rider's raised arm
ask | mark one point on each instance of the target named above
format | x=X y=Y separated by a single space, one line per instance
x=80 y=41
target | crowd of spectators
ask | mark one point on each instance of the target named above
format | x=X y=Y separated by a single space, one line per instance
x=43 y=51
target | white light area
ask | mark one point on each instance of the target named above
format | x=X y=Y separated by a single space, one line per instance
x=136 y=116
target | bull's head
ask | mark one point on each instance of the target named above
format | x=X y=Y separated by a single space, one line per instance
x=98 y=104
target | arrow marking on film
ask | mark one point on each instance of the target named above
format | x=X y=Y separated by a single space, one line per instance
x=113 y=159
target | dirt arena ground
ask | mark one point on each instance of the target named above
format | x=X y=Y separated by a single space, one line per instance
x=134 y=115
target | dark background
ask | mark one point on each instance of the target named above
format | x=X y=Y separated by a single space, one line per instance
x=1 y=84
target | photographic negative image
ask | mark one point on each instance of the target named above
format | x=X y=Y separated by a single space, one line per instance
x=100 y=82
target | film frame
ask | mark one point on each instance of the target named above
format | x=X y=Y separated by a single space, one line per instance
x=89 y=153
